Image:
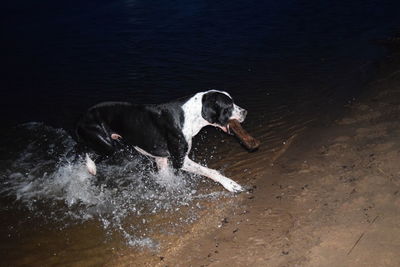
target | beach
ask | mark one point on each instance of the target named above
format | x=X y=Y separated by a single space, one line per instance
x=321 y=91
x=330 y=198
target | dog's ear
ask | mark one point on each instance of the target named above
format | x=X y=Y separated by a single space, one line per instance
x=209 y=109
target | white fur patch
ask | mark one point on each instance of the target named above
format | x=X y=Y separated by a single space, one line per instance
x=238 y=113
x=193 y=120
x=90 y=165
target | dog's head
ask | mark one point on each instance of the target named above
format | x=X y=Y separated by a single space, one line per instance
x=218 y=108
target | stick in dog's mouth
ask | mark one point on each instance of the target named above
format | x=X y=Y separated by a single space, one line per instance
x=247 y=140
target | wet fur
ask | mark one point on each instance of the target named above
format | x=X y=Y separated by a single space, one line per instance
x=163 y=131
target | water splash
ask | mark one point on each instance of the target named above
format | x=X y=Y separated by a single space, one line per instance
x=43 y=176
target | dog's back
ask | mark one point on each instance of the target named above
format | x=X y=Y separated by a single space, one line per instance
x=146 y=126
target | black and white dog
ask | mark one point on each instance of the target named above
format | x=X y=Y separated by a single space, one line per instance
x=163 y=132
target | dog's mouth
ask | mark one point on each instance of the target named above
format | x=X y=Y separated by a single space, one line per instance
x=226 y=129
x=245 y=138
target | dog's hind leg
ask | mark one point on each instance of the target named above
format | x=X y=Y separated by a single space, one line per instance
x=90 y=165
x=99 y=140
x=193 y=167
x=162 y=164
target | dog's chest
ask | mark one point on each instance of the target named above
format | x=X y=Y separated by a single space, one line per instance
x=193 y=120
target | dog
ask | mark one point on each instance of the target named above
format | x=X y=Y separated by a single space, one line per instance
x=163 y=132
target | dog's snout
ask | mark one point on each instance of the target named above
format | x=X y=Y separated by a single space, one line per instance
x=244 y=113
x=239 y=113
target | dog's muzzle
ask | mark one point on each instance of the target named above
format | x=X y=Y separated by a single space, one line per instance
x=238 y=113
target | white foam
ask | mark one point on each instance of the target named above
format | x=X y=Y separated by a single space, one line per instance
x=170 y=180
x=44 y=173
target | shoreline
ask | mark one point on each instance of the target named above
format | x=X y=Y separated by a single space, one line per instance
x=331 y=199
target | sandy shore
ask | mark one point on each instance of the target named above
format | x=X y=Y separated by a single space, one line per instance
x=331 y=197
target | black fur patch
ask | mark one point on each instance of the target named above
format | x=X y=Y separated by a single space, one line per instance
x=217 y=108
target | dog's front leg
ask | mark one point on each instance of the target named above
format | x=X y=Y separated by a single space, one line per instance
x=191 y=166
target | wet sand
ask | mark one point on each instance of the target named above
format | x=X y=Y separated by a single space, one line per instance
x=329 y=196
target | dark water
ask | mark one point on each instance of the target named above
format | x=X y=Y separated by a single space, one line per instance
x=59 y=57
x=287 y=62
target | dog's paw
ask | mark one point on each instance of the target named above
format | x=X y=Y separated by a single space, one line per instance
x=232 y=186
